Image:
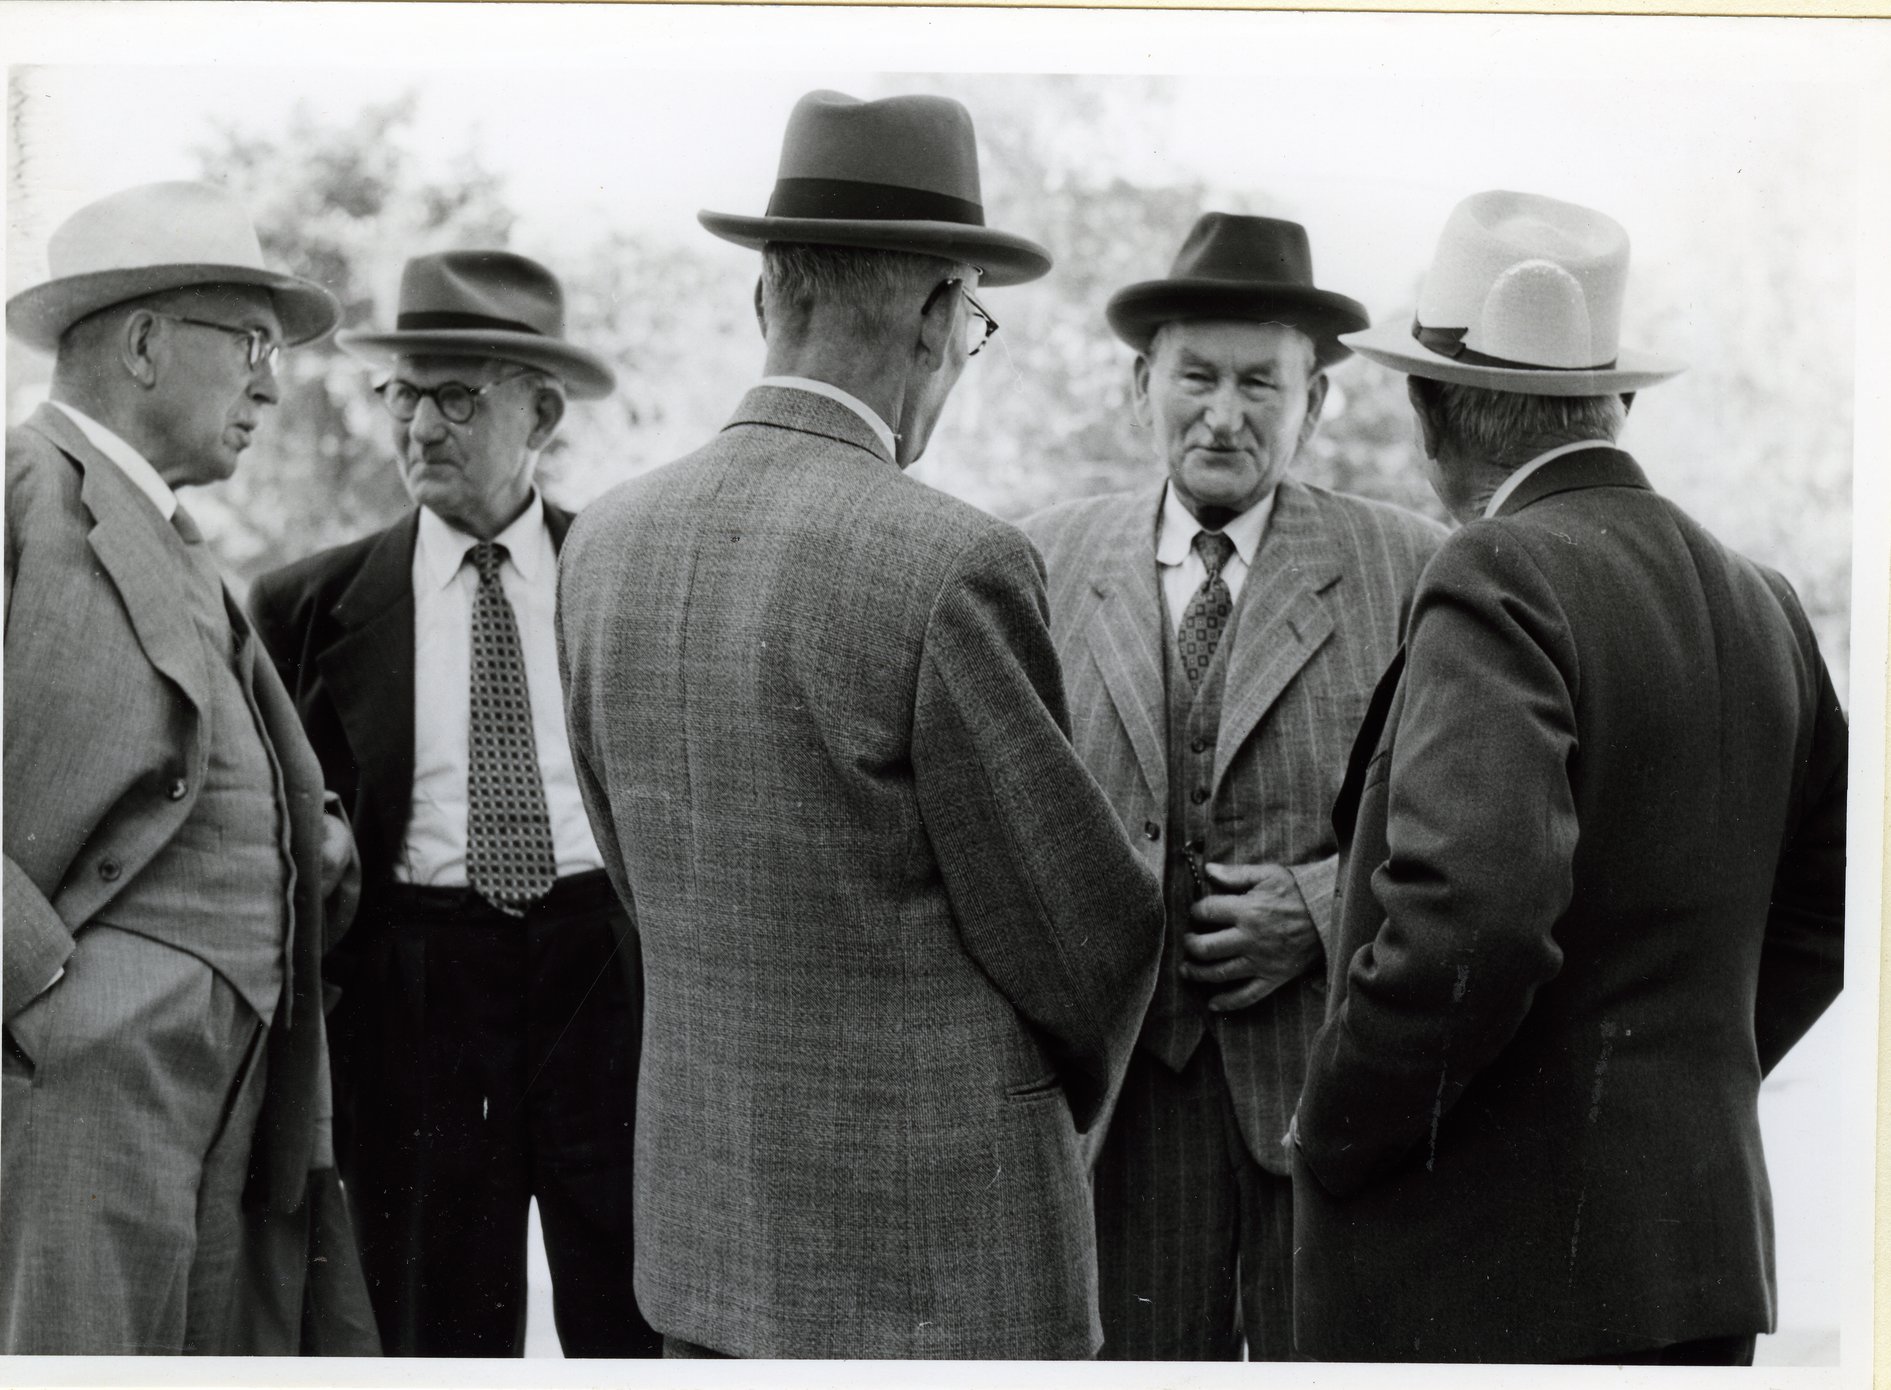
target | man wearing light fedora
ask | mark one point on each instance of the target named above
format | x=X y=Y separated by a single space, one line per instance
x=486 y=1044
x=821 y=731
x=171 y=878
x=1220 y=634
x=1594 y=888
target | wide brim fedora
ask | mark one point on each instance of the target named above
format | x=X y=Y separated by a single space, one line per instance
x=484 y=303
x=1236 y=267
x=150 y=239
x=898 y=174
x=1392 y=344
x=587 y=377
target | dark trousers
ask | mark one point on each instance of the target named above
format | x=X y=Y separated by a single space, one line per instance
x=1194 y=1238
x=1703 y=1351
x=482 y=1061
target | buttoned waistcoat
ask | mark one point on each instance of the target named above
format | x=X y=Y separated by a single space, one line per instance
x=1318 y=618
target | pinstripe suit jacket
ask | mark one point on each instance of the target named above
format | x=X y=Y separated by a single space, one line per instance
x=819 y=727
x=1318 y=619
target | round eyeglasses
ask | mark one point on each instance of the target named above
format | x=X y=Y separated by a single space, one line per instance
x=455 y=400
x=261 y=348
x=979 y=325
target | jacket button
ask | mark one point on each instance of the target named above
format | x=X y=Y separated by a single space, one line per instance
x=108 y=870
x=1199 y=745
x=1151 y=831
x=177 y=789
x=1199 y=795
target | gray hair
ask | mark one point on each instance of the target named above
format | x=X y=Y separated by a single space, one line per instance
x=1509 y=428
x=865 y=284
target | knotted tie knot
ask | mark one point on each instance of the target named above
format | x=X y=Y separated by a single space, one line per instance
x=487 y=557
x=1214 y=547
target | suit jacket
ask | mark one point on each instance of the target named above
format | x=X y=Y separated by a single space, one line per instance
x=820 y=730
x=1594 y=892
x=105 y=690
x=1318 y=618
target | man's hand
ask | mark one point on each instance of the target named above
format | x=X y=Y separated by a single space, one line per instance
x=1256 y=937
x=338 y=852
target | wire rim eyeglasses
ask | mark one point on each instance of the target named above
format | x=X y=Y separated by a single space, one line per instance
x=988 y=326
x=259 y=346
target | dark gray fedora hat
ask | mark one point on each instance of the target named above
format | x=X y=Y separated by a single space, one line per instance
x=484 y=304
x=899 y=174
x=1236 y=267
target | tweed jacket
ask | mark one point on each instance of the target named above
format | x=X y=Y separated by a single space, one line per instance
x=1318 y=619
x=105 y=691
x=820 y=729
x=1594 y=892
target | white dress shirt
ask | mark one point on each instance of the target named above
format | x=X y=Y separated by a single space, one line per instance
x=1182 y=569
x=846 y=398
x=434 y=852
x=1515 y=480
x=131 y=463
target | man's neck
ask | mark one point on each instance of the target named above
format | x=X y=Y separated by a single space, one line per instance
x=870 y=377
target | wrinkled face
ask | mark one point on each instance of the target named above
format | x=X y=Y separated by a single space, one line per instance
x=1229 y=405
x=476 y=475
x=207 y=400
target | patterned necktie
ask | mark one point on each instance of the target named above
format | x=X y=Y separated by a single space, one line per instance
x=1207 y=613
x=509 y=858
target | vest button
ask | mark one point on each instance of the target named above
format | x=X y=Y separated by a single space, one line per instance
x=1151 y=831
x=108 y=870
x=177 y=789
x=1199 y=795
x=1199 y=745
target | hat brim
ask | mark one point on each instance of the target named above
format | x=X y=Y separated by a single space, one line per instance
x=1002 y=258
x=40 y=316
x=1391 y=344
x=586 y=375
x=1137 y=311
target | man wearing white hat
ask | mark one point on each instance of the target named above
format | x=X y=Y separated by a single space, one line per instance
x=167 y=855
x=821 y=731
x=487 y=1039
x=1594 y=888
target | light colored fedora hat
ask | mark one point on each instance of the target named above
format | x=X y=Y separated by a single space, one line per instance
x=484 y=304
x=1236 y=267
x=158 y=236
x=1525 y=295
x=899 y=174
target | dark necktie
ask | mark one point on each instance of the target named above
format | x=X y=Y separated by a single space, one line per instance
x=1207 y=613
x=509 y=859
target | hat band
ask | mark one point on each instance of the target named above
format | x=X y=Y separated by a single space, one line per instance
x=1449 y=342
x=424 y=321
x=852 y=201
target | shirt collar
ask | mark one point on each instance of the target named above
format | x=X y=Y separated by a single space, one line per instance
x=441 y=547
x=846 y=398
x=1175 y=531
x=130 y=462
x=1515 y=480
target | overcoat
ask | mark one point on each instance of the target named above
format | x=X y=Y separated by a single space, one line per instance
x=895 y=945
x=1594 y=890
x=1318 y=618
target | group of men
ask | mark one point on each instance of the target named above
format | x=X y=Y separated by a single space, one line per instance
x=1228 y=917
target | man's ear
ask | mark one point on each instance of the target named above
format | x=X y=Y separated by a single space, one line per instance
x=933 y=347
x=1139 y=389
x=1316 y=406
x=1428 y=432
x=1628 y=401
x=548 y=408
x=761 y=314
x=136 y=351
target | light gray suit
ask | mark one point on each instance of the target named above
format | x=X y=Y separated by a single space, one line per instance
x=820 y=730
x=1318 y=618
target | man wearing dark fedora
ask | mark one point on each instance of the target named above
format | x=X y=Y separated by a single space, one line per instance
x=1220 y=633
x=171 y=878
x=1594 y=886
x=487 y=1040
x=820 y=728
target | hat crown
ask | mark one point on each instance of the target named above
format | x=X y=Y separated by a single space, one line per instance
x=1530 y=280
x=481 y=289
x=920 y=151
x=155 y=224
x=1237 y=249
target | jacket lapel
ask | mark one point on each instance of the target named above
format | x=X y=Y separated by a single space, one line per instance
x=1283 y=619
x=1124 y=634
x=130 y=539
x=369 y=668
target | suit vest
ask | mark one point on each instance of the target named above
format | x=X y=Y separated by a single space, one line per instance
x=221 y=888
x=1178 y=1014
